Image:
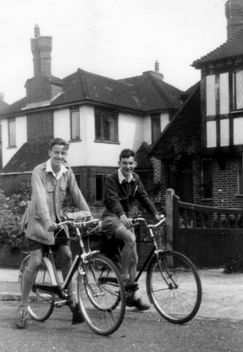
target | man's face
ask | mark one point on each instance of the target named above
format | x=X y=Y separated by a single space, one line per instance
x=57 y=155
x=127 y=165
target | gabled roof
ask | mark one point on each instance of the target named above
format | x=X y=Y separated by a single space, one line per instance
x=27 y=157
x=231 y=48
x=142 y=94
x=186 y=122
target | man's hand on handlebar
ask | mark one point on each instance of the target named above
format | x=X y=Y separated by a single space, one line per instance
x=126 y=221
x=53 y=227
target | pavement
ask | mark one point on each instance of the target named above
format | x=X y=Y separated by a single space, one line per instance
x=222 y=293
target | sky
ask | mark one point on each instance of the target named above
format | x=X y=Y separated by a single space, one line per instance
x=113 y=38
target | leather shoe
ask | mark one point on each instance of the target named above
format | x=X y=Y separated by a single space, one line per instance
x=130 y=285
x=137 y=303
x=77 y=315
x=21 y=319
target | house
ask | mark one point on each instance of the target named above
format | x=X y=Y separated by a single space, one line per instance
x=210 y=143
x=97 y=115
x=3 y=106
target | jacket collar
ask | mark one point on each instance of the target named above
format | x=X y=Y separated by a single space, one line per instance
x=122 y=178
x=62 y=170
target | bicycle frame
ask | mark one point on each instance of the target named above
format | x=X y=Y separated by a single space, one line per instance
x=155 y=250
x=57 y=288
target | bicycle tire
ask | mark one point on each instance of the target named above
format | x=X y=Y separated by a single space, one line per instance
x=41 y=303
x=101 y=294
x=174 y=286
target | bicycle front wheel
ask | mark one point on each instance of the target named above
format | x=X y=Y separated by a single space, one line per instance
x=41 y=303
x=101 y=294
x=174 y=287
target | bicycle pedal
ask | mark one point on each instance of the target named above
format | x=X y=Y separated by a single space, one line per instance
x=60 y=303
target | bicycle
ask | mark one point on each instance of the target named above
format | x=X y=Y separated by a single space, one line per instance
x=100 y=289
x=173 y=284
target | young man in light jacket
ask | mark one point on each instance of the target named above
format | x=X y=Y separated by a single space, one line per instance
x=50 y=183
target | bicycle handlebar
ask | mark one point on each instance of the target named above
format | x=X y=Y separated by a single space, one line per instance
x=150 y=226
x=78 y=223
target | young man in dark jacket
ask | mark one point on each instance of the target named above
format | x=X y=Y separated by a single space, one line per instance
x=121 y=189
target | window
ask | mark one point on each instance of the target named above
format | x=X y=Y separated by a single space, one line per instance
x=211 y=134
x=100 y=182
x=12 y=133
x=155 y=126
x=106 y=125
x=224 y=132
x=238 y=90
x=211 y=95
x=75 y=125
x=206 y=176
x=237 y=130
x=224 y=93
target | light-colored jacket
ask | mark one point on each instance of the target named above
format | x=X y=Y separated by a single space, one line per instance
x=47 y=198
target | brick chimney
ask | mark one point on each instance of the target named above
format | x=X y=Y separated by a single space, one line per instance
x=41 y=47
x=234 y=15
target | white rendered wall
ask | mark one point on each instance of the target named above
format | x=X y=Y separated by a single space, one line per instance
x=21 y=138
x=130 y=135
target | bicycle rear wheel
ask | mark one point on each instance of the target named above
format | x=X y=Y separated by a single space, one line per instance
x=101 y=295
x=41 y=303
x=174 y=287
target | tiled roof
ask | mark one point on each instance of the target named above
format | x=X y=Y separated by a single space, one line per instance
x=83 y=85
x=142 y=159
x=142 y=94
x=153 y=92
x=27 y=157
x=231 y=48
x=187 y=121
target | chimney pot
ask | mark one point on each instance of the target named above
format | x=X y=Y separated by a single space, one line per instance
x=156 y=66
x=37 y=31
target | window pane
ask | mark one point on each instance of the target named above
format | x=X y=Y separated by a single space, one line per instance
x=12 y=133
x=156 y=127
x=210 y=95
x=207 y=189
x=224 y=132
x=238 y=128
x=224 y=93
x=106 y=125
x=75 y=125
x=239 y=90
x=211 y=134
x=99 y=187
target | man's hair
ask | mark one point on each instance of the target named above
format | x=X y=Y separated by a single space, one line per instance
x=126 y=153
x=58 y=141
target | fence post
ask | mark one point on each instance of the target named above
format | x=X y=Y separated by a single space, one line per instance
x=169 y=202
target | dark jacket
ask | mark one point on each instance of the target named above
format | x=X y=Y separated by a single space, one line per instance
x=119 y=197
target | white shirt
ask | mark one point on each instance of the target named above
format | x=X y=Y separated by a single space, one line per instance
x=121 y=177
x=62 y=170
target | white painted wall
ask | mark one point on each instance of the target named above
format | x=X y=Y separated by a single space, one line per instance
x=21 y=138
x=130 y=134
x=132 y=131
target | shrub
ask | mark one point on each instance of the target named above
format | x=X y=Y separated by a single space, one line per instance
x=12 y=209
